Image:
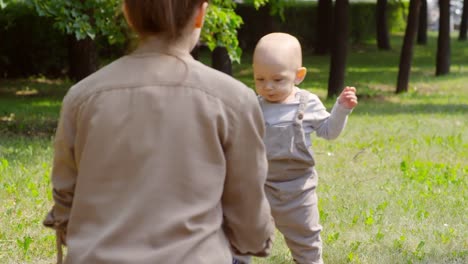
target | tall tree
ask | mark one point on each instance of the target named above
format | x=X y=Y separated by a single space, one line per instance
x=220 y=60
x=82 y=57
x=82 y=52
x=443 y=40
x=422 y=25
x=220 y=33
x=323 y=26
x=220 y=29
x=464 y=21
x=82 y=21
x=406 y=55
x=339 y=49
x=383 y=39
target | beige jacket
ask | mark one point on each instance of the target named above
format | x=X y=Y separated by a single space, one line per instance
x=159 y=159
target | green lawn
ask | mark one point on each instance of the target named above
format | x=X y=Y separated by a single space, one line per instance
x=392 y=188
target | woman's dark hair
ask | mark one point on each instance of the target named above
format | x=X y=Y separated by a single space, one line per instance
x=170 y=17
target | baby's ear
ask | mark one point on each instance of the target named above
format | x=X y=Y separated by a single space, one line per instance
x=300 y=75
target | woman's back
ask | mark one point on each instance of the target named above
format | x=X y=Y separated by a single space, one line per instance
x=160 y=154
x=153 y=151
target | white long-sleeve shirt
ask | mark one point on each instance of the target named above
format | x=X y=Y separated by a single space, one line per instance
x=327 y=125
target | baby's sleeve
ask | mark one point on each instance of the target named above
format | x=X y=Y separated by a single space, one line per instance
x=327 y=125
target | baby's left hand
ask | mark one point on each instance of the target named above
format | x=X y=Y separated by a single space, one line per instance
x=348 y=97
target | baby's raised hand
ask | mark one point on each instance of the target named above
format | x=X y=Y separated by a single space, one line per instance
x=348 y=97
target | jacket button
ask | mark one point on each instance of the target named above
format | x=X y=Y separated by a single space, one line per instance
x=300 y=116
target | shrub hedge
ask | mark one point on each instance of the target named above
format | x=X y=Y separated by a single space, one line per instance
x=31 y=45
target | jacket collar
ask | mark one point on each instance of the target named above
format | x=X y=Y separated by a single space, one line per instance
x=155 y=44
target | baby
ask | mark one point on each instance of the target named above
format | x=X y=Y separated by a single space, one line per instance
x=291 y=116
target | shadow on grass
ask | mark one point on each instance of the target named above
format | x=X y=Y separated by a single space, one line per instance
x=44 y=128
x=33 y=88
x=35 y=121
x=30 y=107
x=31 y=117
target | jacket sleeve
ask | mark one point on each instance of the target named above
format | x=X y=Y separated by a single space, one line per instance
x=247 y=217
x=64 y=172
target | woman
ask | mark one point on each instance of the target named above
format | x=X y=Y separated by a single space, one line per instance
x=153 y=151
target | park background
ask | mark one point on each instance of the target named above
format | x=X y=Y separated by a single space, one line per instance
x=392 y=188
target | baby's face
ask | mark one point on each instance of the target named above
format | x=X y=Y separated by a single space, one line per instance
x=274 y=79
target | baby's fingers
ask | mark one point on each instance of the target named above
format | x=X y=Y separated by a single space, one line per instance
x=350 y=88
x=349 y=94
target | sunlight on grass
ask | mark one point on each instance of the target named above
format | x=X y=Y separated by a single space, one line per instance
x=46 y=104
x=373 y=70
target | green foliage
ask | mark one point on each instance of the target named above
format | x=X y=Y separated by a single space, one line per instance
x=363 y=20
x=27 y=41
x=258 y=3
x=84 y=18
x=220 y=28
x=276 y=6
x=5 y=3
x=222 y=24
x=89 y=18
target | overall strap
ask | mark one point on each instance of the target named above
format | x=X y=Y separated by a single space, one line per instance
x=260 y=101
x=304 y=98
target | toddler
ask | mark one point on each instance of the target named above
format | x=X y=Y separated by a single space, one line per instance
x=291 y=115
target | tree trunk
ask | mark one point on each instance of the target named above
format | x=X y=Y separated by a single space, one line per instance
x=82 y=57
x=220 y=60
x=82 y=54
x=464 y=21
x=422 y=25
x=339 y=48
x=323 y=26
x=406 y=55
x=443 y=40
x=383 y=39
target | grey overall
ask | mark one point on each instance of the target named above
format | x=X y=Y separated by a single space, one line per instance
x=291 y=185
x=290 y=188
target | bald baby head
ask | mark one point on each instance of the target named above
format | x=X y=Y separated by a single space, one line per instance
x=279 y=48
x=277 y=67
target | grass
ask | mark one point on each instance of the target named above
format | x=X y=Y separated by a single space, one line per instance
x=392 y=188
x=25 y=196
x=32 y=106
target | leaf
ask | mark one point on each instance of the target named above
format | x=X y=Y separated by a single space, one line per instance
x=4 y=164
x=92 y=18
x=92 y=35
x=420 y=245
x=24 y=243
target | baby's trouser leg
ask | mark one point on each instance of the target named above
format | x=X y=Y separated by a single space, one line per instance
x=297 y=218
x=238 y=259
